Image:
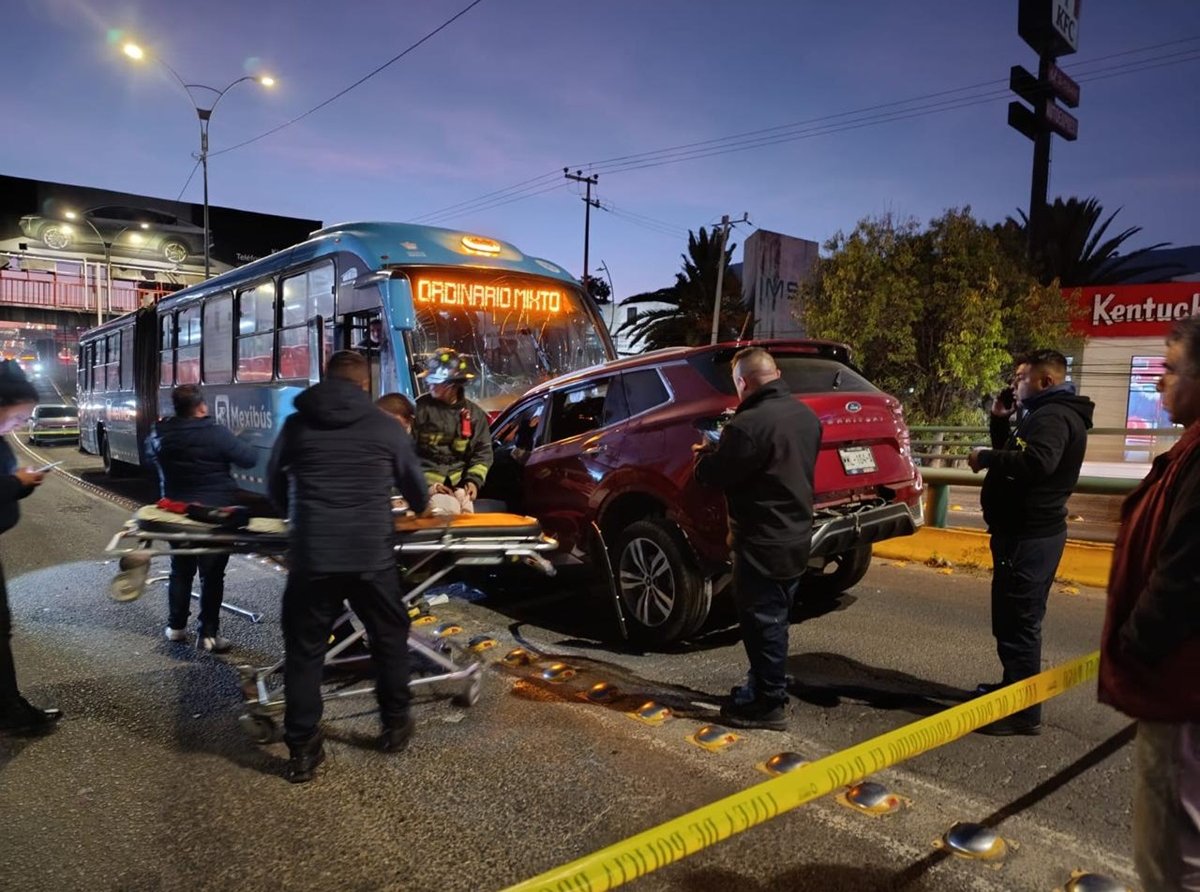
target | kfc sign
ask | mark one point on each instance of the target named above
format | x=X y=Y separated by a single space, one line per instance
x=1132 y=311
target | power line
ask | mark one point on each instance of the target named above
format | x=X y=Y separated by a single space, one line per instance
x=357 y=83
x=188 y=181
x=780 y=133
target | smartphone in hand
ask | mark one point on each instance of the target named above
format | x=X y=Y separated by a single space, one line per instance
x=44 y=468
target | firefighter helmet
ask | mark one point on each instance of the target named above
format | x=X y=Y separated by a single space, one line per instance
x=446 y=365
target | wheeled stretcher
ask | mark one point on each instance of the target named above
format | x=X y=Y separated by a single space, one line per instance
x=427 y=549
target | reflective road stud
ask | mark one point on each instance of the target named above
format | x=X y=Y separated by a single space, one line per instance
x=782 y=763
x=446 y=629
x=518 y=656
x=1092 y=882
x=558 y=673
x=713 y=738
x=651 y=713
x=870 y=798
x=480 y=643
x=428 y=620
x=603 y=692
x=973 y=841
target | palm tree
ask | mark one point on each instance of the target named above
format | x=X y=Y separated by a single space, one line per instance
x=1074 y=251
x=685 y=319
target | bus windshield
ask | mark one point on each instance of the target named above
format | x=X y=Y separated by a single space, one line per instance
x=517 y=330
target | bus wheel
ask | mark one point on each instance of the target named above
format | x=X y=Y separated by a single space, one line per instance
x=112 y=467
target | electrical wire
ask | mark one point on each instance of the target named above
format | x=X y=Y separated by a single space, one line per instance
x=188 y=181
x=357 y=83
x=819 y=126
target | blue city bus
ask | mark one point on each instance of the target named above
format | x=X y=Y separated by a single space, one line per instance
x=256 y=336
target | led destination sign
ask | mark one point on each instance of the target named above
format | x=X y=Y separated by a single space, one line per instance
x=522 y=297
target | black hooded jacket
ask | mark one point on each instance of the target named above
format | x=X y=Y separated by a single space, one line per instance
x=765 y=462
x=1033 y=467
x=193 y=456
x=343 y=455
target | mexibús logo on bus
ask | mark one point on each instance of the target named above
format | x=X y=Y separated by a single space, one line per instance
x=254 y=416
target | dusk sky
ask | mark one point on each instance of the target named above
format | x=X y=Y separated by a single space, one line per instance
x=517 y=89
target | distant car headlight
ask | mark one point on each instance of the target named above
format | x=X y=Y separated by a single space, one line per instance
x=37 y=366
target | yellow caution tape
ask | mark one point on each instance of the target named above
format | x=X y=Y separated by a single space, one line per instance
x=680 y=837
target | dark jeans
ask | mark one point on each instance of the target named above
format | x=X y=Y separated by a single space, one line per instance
x=764 y=608
x=1022 y=573
x=311 y=605
x=9 y=695
x=212 y=590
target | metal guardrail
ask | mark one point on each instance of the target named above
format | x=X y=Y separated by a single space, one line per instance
x=954 y=443
x=940 y=479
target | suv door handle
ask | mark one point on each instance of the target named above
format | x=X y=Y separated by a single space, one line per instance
x=593 y=449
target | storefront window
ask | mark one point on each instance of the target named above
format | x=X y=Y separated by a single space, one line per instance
x=1144 y=408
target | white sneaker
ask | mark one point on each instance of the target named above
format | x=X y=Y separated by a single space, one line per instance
x=176 y=634
x=214 y=644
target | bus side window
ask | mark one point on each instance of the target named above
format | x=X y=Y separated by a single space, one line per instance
x=166 y=367
x=256 y=333
x=305 y=295
x=187 y=364
x=127 y=359
x=218 y=339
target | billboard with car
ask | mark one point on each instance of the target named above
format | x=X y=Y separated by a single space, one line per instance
x=138 y=236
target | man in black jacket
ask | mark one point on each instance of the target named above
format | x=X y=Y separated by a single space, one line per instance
x=764 y=462
x=193 y=454
x=1031 y=470
x=342 y=455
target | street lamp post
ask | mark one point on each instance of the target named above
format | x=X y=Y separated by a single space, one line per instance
x=107 y=245
x=133 y=51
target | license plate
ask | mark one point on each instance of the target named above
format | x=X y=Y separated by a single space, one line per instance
x=857 y=459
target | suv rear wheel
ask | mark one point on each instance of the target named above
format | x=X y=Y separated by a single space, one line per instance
x=661 y=589
x=843 y=571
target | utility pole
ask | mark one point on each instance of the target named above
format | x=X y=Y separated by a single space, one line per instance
x=589 y=203
x=724 y=225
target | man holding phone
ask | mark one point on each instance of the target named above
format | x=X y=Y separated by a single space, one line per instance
x=1031 y=469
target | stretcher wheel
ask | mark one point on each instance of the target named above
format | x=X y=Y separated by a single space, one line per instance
x=470 y=696
x=130 y=581
x=260 y=728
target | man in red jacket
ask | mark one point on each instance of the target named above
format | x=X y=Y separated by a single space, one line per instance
x=1150 y=653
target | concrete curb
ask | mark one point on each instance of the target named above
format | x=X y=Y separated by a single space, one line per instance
x=1085 y=563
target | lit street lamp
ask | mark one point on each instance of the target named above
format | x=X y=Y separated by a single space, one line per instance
x=137 y=53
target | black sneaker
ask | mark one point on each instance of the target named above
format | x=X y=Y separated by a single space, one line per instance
x=304 y=760
x=396 y=736
x=1012 y=726
x=758 y=713
x=23 y=718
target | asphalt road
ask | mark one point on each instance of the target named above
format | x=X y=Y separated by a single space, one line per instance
x=149 y=783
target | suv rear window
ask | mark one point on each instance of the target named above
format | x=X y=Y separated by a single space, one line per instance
x=803 y=374
x=56 y=412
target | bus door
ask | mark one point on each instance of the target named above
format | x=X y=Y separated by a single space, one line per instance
x=366 y=335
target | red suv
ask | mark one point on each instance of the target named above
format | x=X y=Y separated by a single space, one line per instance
x=603 y=459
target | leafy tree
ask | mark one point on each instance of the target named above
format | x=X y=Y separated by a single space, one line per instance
x=686 y=318
x=598 y=288
x=1075 y=252
x=936 y=315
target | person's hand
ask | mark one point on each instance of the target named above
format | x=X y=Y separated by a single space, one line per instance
x=29 y=477
x=999 y=408
x=973 y=460
x=440 y=489
x=471 y=490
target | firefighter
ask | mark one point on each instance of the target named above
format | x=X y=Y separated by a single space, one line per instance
x=453 y=440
